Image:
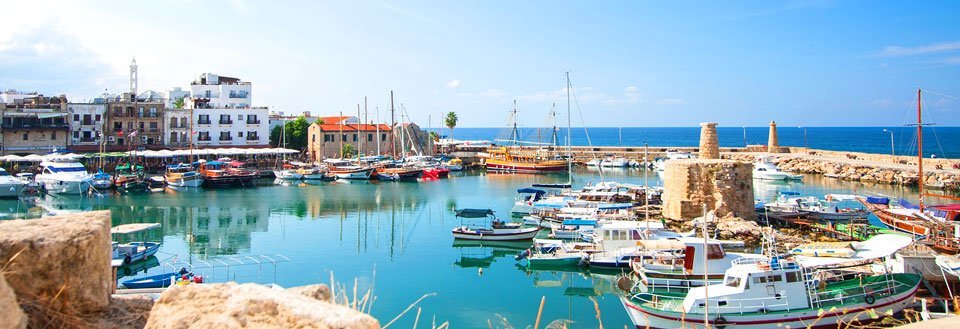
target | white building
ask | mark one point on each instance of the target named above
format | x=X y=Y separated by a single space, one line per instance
x=173 y=95
x=222 y=114
x=87 y=122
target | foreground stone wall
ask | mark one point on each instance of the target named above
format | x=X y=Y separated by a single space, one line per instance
x=726 y=186
x=60 y=261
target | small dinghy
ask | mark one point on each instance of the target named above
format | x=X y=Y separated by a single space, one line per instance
x=482 y=224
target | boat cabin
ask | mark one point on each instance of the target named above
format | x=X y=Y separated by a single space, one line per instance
x=753 y=285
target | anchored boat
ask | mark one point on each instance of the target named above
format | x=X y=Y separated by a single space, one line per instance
x=490 y=228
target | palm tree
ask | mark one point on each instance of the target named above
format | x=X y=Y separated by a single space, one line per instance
x=450 y=121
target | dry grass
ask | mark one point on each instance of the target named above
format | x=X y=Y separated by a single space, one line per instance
x=341 y=295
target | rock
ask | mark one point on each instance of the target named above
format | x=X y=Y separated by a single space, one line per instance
x=123 y=312
x=61 y=262
x=725 y=186
x=11 y=316
x=319 y=292
x=231 y=305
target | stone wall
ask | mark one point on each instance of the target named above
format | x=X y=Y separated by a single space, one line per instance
x=726 y=186
x=709 y=146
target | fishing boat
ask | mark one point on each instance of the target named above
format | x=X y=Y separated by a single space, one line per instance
x=558 y=254
x=182 y=175
x=289 y=172
x=399 y=174
x=130 y=178
x=132 y=252
x=454 y=164
x=784 y=291
x=765 y=169
x=523 y=204
x=221 y=174
x=102 y=180
x=904 y=219
x=182 y=277
x=10 y=186
x=680 y=263
x=830 y=208
x=489 y=227
x=63 y=175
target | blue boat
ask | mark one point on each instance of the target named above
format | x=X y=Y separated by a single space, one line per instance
x=162 y=280
x=133 y=252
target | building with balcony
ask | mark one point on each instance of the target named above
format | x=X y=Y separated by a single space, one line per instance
x=278 y=118
x=329 y=135
x=142 y=117
x=32 y=123
x=87 y=123
x=222 y=115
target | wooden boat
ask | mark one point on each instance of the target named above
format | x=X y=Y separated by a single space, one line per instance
x=133 y=252
x=557 y=254
x=182 y=175
x=491 y=229
x=222 y=174
x=504 y=159
x=399 y=174
x=102 y=180
x=680 y=263
x=352 y=172
x=901 y=219
x=130 y=178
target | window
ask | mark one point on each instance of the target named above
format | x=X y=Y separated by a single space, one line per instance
x=87 y=119
x=26 y=136
x=76 y=117
x=173 y=137
x=141 y=126
x=252 y=136
x=225 y=136
x=239 y=116
x=239 y=134
x=714 y=251
x=204 y=119
x=314 y=138
x=76 y=134
x=153 y=112
x=343 y=138
x=369 y=137
x=225 y=119
x=327 y=138
x=203 y=136
x=206 y=93
x=117 y=126
x=98 y=117
x=793 y=276
x=252 y=119
x=140 y=111
x=383 y=137
x=53 y=135
x=355 y=137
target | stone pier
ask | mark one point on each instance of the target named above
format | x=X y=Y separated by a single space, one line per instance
x=725 y=186
x=709 y=146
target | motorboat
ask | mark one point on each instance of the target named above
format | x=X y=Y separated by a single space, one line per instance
x=10 y=186
x=289 y=172
x=830 y=209
x=221 y=174
x=454 y=165
x=182 y=175
x=765 y=169
x=482 y=224
x=352 y=172
x=680 y=263
x=130 y=178
x=102 y=180
x=615 y=162
x=132 y=252
x=63 y=175
x=523 y=205
x=163 y=280
x=551 y=253
x=399 y=174
x=661 y=164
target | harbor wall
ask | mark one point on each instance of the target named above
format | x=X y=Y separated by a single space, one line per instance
x=725 y=186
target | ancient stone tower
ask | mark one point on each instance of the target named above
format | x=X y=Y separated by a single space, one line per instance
x=725 y=186
x=773 y=143
x=709 y=147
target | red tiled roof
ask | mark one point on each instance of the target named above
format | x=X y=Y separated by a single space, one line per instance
x=352 y=127
x=333 y=120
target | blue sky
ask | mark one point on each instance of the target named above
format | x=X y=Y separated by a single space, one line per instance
x=633 y=63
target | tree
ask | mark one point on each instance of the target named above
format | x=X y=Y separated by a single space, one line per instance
x=178 y=104
x=297 y=132
x=347 y=150
x=450 y=121
x=434 y=136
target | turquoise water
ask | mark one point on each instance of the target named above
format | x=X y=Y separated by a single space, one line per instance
x=393 y=238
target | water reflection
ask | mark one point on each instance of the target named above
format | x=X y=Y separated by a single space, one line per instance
x=481 y=254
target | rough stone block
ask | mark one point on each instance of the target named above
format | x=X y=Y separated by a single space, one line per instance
x=232 y=305
x=60 y=261
x=725 y=186
x=11 y=316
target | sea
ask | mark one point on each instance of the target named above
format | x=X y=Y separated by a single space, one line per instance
x=391 y=239
x=937 y=141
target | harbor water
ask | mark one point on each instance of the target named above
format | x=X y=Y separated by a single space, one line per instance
x=392 y=239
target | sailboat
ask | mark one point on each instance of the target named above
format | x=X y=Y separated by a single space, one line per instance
x=287 y=171
x=515 y=159
x=939 y=224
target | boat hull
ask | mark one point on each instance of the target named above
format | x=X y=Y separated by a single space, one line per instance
x=896 y=222
x=10 y=191
x=65 y=187
x=487 y=235
x=195 y=181
x=643 y=317
x=526 y=168
x=353 y=174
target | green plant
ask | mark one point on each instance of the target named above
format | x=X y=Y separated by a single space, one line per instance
x=451 y=122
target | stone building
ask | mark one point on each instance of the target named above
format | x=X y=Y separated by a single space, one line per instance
x=87 y=123
x=329 y=135
x=33 y=123
x=141 y=117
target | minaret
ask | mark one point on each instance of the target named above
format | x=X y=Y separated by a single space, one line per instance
x=709 y=146
x=773 y=143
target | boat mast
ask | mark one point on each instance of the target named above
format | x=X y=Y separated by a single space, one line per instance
x=341 y=134
x=365 y=114
x=359 y=148
x=706 y=295
x=920 y=149
x=553 y=133
x=515 y=136
x=393 y=125
x=378 y=130
x=569 y=148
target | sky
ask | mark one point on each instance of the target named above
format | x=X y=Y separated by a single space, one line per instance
x=631 y=63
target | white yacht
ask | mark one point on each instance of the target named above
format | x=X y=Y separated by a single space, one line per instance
x=764 y=168
x=10 y=186
x=63 y=176
x=661 y=164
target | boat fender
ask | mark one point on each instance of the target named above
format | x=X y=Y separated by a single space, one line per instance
x=584 y=262
x=198 y=279
x=522 y=255
x=869 y=299
x=625 y=283
x=720 y=322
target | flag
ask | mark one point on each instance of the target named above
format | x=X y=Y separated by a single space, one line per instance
x=134 y=133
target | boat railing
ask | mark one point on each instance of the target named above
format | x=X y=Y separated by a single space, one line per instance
x=723 y=306
x=858 y=293
x=226 y=263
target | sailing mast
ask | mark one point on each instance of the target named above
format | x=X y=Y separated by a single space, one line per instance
x=920 y=149
x=569 y=148
x=515 y=136
x=553 y=132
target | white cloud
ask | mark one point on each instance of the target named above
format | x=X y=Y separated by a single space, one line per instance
x=920 y=50
x=670 y=101
x=453 y=84
x=882 y=102
x=493 y=93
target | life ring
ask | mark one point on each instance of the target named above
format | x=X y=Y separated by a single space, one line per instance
x=720 y=322
x=869 y=299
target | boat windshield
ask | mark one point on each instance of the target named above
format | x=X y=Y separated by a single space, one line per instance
x=67 y=169
x=732 y=281
x=4 y=173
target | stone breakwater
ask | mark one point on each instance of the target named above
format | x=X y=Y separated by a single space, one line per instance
x=869 y=168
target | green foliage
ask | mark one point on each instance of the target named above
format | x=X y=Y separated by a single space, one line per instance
x=451 y=121
x=178 y=104
x=434 y=136
x=348 y=150
x=297 y=131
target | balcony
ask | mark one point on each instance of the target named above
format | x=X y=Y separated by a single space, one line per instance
x=238 y=95
x=203 y=138
x=87 y=123
x=226 y=122
x=154 y=130
x=22 y=126
x=253 y=122
x=226 y=138
x=150 y=115
x=87 y=140
x=203 y=122
x=253 y=138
